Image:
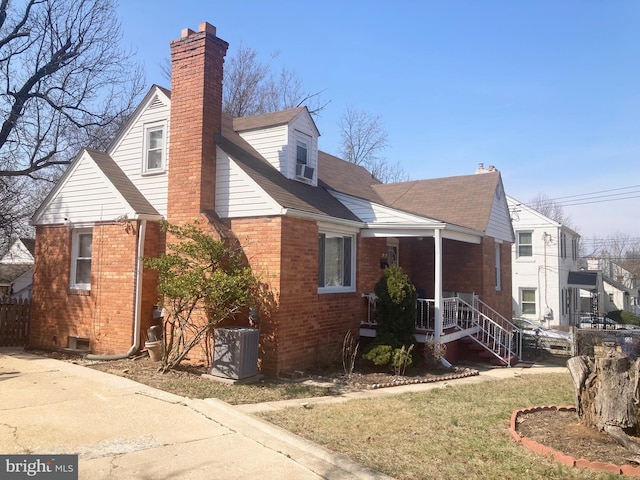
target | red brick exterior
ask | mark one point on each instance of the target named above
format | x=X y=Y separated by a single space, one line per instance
x=196 y=115
x=103 y=314
x=301 y=329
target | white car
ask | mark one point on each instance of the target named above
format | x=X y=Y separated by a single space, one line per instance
x=531 y=329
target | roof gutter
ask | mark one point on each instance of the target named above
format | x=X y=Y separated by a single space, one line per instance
x=137 y=307
x=290 y=212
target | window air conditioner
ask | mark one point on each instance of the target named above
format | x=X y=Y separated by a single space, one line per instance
x=304 y=171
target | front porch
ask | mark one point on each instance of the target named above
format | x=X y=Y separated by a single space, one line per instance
x=463 y=317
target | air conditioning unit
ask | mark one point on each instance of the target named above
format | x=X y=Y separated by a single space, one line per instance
x=304 y=171
x=235 y=352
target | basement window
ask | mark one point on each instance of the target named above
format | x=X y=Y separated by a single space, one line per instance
x=81 y=242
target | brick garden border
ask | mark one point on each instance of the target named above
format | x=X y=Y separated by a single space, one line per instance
x=560 y=457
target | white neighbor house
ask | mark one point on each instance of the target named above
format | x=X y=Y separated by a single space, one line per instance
x=544 y=254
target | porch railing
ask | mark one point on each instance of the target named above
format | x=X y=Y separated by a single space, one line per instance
x=495 y=333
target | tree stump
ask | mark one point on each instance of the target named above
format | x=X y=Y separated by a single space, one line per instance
x=607 y=396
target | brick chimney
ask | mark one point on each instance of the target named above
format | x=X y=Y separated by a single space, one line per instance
x=196 y=114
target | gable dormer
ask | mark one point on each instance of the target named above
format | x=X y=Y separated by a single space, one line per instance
x=288 y=140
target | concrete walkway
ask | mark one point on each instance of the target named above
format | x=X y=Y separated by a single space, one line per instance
x=124 y=430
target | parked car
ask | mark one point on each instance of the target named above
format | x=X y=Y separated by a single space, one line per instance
x=600 y=322
x=531 y=329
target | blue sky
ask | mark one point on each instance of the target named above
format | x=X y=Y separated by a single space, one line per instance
x=548 y=91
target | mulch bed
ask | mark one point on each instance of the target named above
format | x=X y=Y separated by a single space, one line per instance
x=562 y=431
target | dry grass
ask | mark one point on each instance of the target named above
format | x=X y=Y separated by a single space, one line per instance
x=451 y=433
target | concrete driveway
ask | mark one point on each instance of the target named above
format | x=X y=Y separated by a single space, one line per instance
x=124 y=430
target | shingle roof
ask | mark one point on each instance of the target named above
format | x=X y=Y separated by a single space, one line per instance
x=266 y=120
x=122 y=183
x=10 y=271
x=288 y=193
x=464 y=200
x=30 y=244
x=342 y=176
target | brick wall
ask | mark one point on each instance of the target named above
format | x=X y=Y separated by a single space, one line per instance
x=104 y=314
x=196 y=114
x=304 y=329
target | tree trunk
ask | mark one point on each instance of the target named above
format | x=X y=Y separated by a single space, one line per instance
x=607 y=395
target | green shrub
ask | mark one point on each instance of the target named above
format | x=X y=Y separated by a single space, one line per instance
x=395 y=311
x=379 y=355
x=622 y=316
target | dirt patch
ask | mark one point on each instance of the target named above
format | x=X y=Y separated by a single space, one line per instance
x=562 y=431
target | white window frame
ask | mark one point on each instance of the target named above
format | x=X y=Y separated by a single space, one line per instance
x=347 y=274
x=148 y=129
x=498 y=267
x=75 y=258
x=534 y=303
x=393 y=251
x=520 y=244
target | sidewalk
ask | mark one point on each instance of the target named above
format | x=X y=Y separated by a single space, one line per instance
x=125 y=430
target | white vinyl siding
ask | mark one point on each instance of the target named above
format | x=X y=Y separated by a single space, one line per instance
x=237 y=194
x=270 y=143
x=128 y=153
x=499 y=226
x=72 y=205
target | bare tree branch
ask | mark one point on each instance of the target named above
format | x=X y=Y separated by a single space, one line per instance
x=363 y=140
x=66 y=82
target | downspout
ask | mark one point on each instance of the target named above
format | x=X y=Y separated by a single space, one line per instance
x=137 y=308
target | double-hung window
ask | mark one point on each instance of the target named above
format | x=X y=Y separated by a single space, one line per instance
x=528 y=301
x=154 y=154
x=336 y=260
x=525 y=244
x=81 y=241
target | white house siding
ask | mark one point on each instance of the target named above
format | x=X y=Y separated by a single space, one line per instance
x=271 y=143
x=74 y=204
x=128 y=152
x=18 y=253
x=499 y=225
x=237 y=194
x=304 y=124
x=372 y=213
x=545 y=271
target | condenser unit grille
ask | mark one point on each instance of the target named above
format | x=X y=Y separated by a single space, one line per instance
x=235 y=352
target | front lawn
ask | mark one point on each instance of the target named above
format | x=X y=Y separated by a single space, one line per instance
x=456 y=432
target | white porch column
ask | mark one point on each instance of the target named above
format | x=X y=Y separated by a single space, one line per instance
x=438 y=286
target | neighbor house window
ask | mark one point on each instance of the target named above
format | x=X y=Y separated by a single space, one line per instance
x=154 y=148
x=525 y=244
x=81 y=259
x=336 y=257
x=563 y=245
x=574 y=249
x=528 y=302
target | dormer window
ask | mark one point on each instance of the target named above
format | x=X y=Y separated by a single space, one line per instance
x=303 y=147
x=302 y=152
x=154 y=148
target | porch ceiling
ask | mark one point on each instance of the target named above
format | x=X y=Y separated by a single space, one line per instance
x=419 y=231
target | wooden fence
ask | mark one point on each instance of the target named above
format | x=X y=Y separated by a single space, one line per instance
x=14 y=322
